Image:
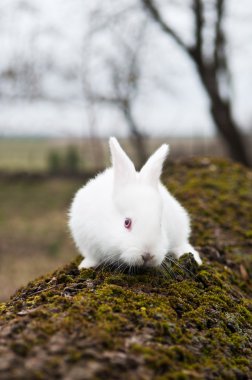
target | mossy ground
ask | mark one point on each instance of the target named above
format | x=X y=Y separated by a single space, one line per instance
x=193 y=324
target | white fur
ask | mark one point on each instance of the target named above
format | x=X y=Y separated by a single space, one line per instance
x=160 y=225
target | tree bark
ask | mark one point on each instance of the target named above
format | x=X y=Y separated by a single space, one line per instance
x=229 y=131
x=221 y=113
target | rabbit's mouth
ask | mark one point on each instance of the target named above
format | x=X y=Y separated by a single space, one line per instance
x=136 y=257
x=146 y=260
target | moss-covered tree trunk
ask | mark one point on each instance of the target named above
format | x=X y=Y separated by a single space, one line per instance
x=188 y=323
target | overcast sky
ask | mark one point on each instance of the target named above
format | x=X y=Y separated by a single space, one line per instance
x=52 y=35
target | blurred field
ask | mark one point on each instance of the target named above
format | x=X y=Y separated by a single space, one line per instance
x=31 y=154
x=34 y=238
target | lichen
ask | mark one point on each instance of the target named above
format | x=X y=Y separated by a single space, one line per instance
x=195 y=323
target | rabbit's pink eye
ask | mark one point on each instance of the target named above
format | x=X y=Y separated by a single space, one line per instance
x=127 y=223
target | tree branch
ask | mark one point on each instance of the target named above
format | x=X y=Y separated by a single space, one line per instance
x=220 y=61
x=199 y=24
x=150 y=6
x=219 y=51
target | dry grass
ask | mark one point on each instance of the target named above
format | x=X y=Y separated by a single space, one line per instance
x=34 y=238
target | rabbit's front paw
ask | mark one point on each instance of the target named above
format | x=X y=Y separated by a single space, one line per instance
x=88 y=263
x=186 y=248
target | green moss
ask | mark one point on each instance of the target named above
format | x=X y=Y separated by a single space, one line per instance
x=193 y=324
x=20 y=348
x=2 y=307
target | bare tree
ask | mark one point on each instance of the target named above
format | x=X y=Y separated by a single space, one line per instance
x=124 y=76
x=212 y=69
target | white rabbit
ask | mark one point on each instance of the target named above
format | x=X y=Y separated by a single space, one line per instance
x=129 y=217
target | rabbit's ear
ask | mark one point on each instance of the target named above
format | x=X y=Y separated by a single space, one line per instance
x=152 y=170
x=124 y=169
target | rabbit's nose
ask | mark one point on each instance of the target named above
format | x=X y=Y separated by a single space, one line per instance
x=147 y=257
